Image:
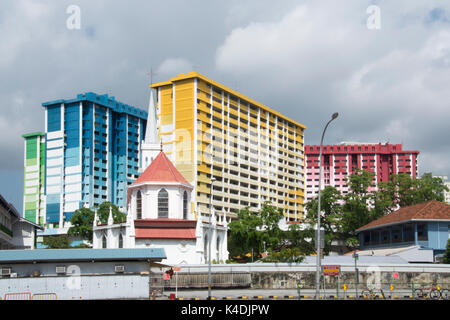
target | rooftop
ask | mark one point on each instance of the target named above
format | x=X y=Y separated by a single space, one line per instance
x=431 y=210
x=104 y=100
x=193 y=74
x=161 y=170
x=59 y=255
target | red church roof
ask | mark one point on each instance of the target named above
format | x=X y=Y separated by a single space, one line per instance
x=161 y=170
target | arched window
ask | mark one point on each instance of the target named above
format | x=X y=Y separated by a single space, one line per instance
x=139 y=205
x=185 y=205
x=120 y=241
x=205 y=248
x=163 y=204
x=104 y=242
x=218 y=249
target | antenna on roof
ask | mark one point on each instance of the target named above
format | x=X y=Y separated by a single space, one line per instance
x=151 y=74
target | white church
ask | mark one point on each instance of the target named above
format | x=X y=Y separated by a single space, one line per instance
x=159 y=213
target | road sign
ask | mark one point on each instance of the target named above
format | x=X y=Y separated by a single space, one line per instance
x=333 y=270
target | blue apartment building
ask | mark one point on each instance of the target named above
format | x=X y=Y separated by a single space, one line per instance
x=92 y=153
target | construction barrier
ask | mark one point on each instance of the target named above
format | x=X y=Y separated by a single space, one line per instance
x=44 y=296
x=18 y=296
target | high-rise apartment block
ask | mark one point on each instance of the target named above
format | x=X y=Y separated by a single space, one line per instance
x=34 y=177
x=92 y=153
x=339 y=161
x=211 y=131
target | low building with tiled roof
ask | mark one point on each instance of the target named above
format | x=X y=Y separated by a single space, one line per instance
x=423 y=228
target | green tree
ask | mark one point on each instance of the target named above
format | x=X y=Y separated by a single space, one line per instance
x=407 y=191
x=103 y=213
x=81 y=224
x=331 y=213
x=252 y=232
x=447 y=253
x=290 y=255
x=355 y=210
x=83 y=219
x=57 y=242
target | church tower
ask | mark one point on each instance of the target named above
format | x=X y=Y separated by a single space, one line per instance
x=149 y=146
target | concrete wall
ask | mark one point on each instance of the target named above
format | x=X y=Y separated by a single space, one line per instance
x=285 y=276
x=83 y=280
x=83 y=287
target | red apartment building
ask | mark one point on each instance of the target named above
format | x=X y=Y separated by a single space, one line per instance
x=339 y=161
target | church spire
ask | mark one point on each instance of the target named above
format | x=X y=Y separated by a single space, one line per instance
x=150 y=132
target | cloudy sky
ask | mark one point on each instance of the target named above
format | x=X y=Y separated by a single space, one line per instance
x=387 y=75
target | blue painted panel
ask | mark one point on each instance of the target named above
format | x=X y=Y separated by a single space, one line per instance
x=433 y=237
x=52 y=212
x=53 y=118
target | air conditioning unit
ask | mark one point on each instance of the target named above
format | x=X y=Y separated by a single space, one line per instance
x=61 y=270
x=119 y=269
x=5 y=271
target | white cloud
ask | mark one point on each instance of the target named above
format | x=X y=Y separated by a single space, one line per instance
x=388 y=84
x=174 y=66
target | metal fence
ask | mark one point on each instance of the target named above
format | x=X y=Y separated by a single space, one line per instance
x=18 y=296
x=45 y=296
x=385 y=290
x=218 y=280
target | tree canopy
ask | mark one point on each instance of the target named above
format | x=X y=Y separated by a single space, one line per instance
x=83 y=219
x=341 y=216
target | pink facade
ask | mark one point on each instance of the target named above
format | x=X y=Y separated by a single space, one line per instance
x=339 y=161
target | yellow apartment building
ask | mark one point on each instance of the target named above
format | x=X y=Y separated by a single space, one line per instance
x=255 y=153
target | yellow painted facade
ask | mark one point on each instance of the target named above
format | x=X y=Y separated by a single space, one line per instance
x=255 y=153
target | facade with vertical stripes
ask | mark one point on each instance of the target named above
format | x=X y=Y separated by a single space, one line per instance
x=34 y=177
x=92 y=153
x=339 y=161
x=255 y=153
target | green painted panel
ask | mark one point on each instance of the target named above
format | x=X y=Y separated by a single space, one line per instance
x=31 y=162
x=30 y=206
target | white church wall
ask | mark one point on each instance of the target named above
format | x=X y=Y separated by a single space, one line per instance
x=177 y=251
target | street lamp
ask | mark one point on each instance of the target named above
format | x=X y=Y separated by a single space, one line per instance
x=318 y=240
x=209 y=237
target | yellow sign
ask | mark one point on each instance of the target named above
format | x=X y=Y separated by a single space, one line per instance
x=391 y=287
x=345 y=287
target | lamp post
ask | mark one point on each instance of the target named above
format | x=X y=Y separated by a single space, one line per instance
x=209 y=237
x=318 y=240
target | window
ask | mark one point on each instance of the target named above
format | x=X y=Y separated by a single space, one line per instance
x=104 y=242
x=185 y=205
x=139 y=205
x=120 y=241
x=205 y=248
x=218 y=249
x=366 y=238
x=385 y=236
x=163 y=204
x=396 y=235
x=422 y=232
x=408 y=232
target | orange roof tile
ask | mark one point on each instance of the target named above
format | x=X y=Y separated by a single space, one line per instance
x=161 y=170
x=431 y=210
